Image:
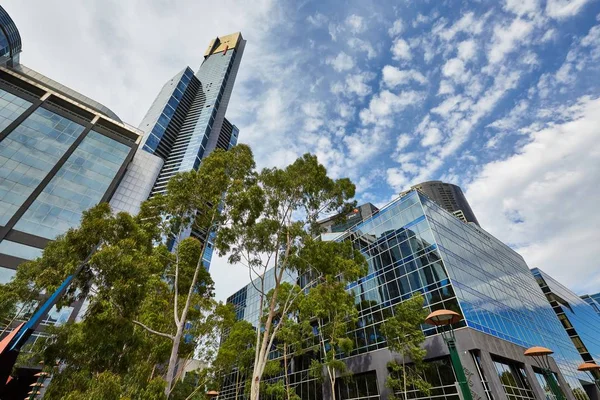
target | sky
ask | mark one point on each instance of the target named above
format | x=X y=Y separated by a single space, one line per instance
x=499 y=97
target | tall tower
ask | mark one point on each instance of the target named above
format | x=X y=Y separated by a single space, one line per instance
x=450 y=197
x=184 y=124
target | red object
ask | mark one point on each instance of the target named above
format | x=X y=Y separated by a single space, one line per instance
x=226 y=48
x=4 y=343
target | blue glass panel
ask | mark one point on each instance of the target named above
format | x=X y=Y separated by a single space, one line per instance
x=28 y=153
x=79 y=184
x=11 y=107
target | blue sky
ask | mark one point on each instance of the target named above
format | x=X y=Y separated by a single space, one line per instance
x=500 y=97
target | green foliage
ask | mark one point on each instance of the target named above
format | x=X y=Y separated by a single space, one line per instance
x=143 y=297
x=335 y=313
x=404 y=336
x=274 y=224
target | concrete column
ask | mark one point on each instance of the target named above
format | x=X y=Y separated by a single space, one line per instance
x=539 y=391
x=487 y=365
x=472 y=375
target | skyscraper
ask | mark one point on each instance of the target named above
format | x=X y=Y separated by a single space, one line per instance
x=184 y=124
x=60 y=154
x=449 y=196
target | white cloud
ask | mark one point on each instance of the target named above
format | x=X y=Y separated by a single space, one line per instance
x=560 y=9
x=421 y=19
x=393 y=76
x=362 y=45
x=357 y=84
x=334 y=30
x=506 y=38
x=397 y=28
x=401 y=50
x=317 y=19
x=468 y=23
x=345 y=110
x=356 y=23
x=397 y=179
x=402 y=142
x=365 y=143
x=446 y=87
x=314 y=109
x=455 y=69
x=549 y=35
x=547 y=184
x=513 y=119
x=522 y=7
x=466 y=49
x=341 y=62
x=386 y=103
x=431 y=137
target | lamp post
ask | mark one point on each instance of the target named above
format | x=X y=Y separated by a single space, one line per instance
x=443 y=319
x=590 y=368
x=540 y=356
x=212 y=394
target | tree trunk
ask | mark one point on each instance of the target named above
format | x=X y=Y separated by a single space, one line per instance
x=331 y=372
x=285 y=367
x=255 y=387
x=237 y=383
x=404 y=376
x=173 y=358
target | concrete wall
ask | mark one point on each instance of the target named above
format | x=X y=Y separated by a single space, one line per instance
x=467 y=340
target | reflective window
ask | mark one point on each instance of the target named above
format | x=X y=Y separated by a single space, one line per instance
x=19 y=250
x=4 y=46
x=6 y=274
x=78 y=185
x=11 y=107
x=514 y=381
x=359 y=387
x=28 y=153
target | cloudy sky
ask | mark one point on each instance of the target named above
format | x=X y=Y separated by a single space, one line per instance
x=499 y=97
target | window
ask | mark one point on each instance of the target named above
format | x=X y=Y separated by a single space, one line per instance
x=28 y=153
x=513 y=380
x=358 y=387
x=78 y=185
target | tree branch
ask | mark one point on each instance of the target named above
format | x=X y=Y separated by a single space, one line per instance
x=165 y=335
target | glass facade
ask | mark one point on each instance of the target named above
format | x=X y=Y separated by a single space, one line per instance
x=579 y=320
x=78 y=185
x=28 y=153
x=163 y=109
x=593 y=303
x=415 y=246
x=11 y=107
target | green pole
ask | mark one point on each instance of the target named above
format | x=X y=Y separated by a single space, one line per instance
x=554 y=385
x=459 y=371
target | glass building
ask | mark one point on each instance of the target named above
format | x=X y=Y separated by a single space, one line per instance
x=60 y=154
x=413 y=245
x=593 y=300
x=184 y=124
x=580 y=321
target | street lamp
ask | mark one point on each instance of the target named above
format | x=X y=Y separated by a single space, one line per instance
x=590 y=368
x=540 y=356
x=213 y=394
x=446 y=318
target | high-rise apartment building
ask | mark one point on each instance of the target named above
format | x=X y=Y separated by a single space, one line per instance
x=413 y=245
x=184 y=124
x=60 y=154
x=450 y=197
